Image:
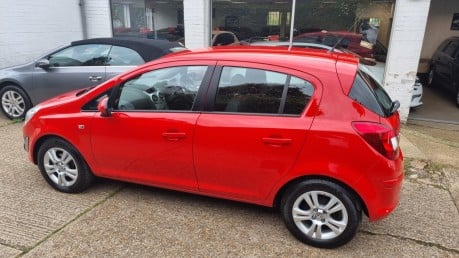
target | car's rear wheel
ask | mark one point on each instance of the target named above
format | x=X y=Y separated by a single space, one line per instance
x=63 y=167
x=321 y=213
x=15 y=102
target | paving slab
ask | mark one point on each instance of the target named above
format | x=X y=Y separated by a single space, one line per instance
x=409 y=149
x=5 y=121
x=425 y=213
x=452 y=176
x=142 y=221
x=7 y=252
x=30 y=210
x=440 y=146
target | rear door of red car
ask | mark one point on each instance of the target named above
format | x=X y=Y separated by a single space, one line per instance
x=149 y=135
x=253 y=129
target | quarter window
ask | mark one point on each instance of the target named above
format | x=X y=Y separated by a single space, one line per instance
x=246 y=90
x=81 y=55
x=173 y=88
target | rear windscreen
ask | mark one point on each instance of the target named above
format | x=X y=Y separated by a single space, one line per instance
x=368 y=92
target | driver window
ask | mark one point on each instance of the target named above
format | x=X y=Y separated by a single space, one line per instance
x=81 y=55
x=173 y=88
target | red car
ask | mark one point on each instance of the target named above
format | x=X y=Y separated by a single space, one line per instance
x=354 y=42
x=302 y=130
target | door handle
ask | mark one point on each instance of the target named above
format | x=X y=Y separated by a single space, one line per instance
x=94 y=78
x=174 y=136
x=276 y=142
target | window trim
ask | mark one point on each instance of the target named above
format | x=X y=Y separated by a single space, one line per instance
x=213 y=90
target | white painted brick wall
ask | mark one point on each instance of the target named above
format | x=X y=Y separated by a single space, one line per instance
x=197 y=23
x=98 y=18
x=405 y=45
x=28 y=28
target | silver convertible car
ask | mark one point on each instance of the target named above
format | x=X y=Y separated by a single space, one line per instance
x=83 y=63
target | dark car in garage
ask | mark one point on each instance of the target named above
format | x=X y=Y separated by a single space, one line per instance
x=444 y=69
x=81 y=64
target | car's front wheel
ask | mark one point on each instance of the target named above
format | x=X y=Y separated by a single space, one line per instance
x=321 y=213
x=63 y=167
x=15 y=102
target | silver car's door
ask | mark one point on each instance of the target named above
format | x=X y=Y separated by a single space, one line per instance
x=71 y=68
x=121 y=59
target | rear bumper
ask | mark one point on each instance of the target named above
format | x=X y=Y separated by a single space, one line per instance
x=383 y=192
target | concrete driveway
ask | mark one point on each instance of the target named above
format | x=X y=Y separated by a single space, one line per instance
x=114 y=219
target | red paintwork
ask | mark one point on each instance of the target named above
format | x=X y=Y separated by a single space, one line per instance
x=235 y=156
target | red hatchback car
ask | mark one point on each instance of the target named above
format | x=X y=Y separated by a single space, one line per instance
x=302 y=130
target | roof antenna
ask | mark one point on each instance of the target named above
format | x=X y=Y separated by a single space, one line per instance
x=339 y=41
x=336 y=44
x=292 y=24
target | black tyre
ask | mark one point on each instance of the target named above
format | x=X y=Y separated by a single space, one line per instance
x=321 y=213
x=15 y=102
x=63 y=167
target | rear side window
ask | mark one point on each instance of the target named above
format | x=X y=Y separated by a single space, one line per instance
x=371 y=94
x=122 y=56
x=247 y=90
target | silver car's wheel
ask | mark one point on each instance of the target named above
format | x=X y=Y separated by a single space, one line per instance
x=60 y=166
x=320 y=215
x=63 y=167
x=15 y=102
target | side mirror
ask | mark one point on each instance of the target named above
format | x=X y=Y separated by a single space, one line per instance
x=102 y=107
x=394 y=106
x=43 y=63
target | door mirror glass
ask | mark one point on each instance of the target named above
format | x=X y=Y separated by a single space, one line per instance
x=42 y=63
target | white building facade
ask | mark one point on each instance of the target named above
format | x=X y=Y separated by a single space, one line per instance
x=29 y=28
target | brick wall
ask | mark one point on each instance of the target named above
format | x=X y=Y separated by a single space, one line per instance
x=405 y=45
x=197 y=23
x=98 y=18
x=28 y=28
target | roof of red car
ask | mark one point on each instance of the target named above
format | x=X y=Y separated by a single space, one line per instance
x=264 y=54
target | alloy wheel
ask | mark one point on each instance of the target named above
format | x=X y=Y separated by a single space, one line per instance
x=60 y=166
x=320 y=215
x=13 y=103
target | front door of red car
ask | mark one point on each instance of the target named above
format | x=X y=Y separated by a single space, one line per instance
x=253 y=133
x=149 y=134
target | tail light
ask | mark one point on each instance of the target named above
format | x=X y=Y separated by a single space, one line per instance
x=381 y=137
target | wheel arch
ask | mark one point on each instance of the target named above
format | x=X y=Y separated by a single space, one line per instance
x=39 y=143
x=14 y=83
x=278 y=197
